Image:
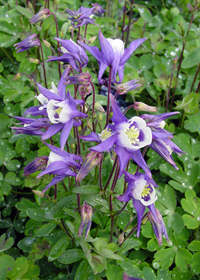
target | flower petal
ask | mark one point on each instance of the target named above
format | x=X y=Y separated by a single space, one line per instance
x=105 y=145
x=65 y=133
x=118 y=117
x=124 y=157
x=52 y=130
x=140 y=208
x=107 y=52
x=138 y=158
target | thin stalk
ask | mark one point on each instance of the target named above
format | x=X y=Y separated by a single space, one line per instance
x=124 y=16
x=128 y=108
x=78 y=35
x=143 y=154
x=59 y=65
x=111 y=173
x=66 y=230
x=85 y=32
x=112 y=218
x=129 y=23
x=129 y=223
x=78 y=198
x=93 y=105
x=168 y=94
x=115 y=177
x=100 y=173
x=45 y=79
x=109 y=90
x=64 y=186
x=195 y=77
x=55 y=192
x=9 y=58
x=120 y=211
x=108 y=8
x=198 y=88
x=78 y=141
x=130 y=233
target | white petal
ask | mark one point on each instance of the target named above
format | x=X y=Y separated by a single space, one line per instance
x=138 y=188
x=51 y=106
x=53 y=157
x=54 y=88
x=117 y=45
x=141 y=123
x=65 y=114
x=64 y=50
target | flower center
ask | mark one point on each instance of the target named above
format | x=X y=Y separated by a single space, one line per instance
x=132 y=134
x=59 y=110
x=105 y=134
x=146 y=191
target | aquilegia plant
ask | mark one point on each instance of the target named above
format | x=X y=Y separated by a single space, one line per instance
x=95 y=154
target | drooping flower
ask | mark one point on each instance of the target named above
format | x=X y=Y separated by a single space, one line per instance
x=161 y=142
x=142 y=192
x=41 y=15
x=158 y=227
x=38 y=164
x=31 y=126
x=27 y=43
x=112 y=54
x=126 y=87
x=84 y=15
x=86 y=218
x=72 y=54
x=92 y=160
x=61 y=110
x=60 y=163
x=140 y=106
x=125 y=136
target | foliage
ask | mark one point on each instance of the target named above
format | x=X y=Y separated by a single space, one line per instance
x=40 y=232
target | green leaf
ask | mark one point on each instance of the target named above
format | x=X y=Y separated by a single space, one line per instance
x=106 y=253
x=144 y=13
x=98 y=98
x=5 y=121
x=6 y=262
x=84 y=271
x=129 y=244
x=12 y=179
x=58 y=248
x=26 y=66
x=5 y=244
x=13 y=165
x=88 y=189
x=191 y=204
x=190 y=103
x=21 y=267
x=46 y=229
x=71 y=256
x=114 y=272
x=193 y=123
x=130 y=268
x=195 y=263
x=148 y=273
x=194 y=245
x=182 y=259
x=167 y=198
x=164 y=258
x=192 y=59
x=24 y=11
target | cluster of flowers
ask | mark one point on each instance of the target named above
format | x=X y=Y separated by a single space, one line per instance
x=124 y=137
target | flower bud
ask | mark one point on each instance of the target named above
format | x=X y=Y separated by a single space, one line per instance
x=38 y=193
x=17 y=76
x=34 y=60
x=121 y=238
x=92 y=160
x=38 y=164
x=99 y=108
x=86 y=218
x=47 y=44
x=92 y=39
x=140 y=106
x=41 y=15
x=190 y=8
x=100 y=117
x=159 y=228
x=79 y=79
x=124 y=88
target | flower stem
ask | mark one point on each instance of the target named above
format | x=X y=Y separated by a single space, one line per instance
x=195 y=77
x=124 y=16
x=120 y=211
x=111 y=173
x=93 y=105
x=100 y=173
x=109 y=90
x=129 y=23
x=66 y=230
x=168 y=94
x=59 y=65
x=130 y=233
x=45 y=79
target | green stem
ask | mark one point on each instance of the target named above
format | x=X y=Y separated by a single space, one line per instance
x=109 y=91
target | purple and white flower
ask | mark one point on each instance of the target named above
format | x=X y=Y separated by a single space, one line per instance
x=112 y=54
x=27 y=43
x=142 y=192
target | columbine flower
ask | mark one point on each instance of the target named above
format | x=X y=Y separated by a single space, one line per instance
x=41 y=15
x=112 y=54
x=161 y=142
x=31 y=126
x=92 y=160
x=60 y=164
x=127 y=137
x=38 y=164
x=84 y=15
x=72 y=54
x=158 y=227
x=142 y=192
x=60 y=109
x=79 y=79
x=86 y=218
x=126 y=87
x=27 y=43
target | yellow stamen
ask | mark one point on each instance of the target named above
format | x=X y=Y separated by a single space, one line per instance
x=59 y=110
x=132 y=134
x=105 y=134
x=146 y=191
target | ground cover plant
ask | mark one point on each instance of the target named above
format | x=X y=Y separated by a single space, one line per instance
x=100 y=140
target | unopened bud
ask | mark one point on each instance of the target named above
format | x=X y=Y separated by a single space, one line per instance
x=92 y=39
x=92 y=160
x=47 y=44
x=99 y=107
x=41 y=15
x=38 y=193
x=88 y=124
x=39 y=164
x=17 y=76
x=86 y=218
x=126 y=87
x=34 y=60
x=121 y=238
x=175 y=59
x=140 y=106
x=190 y=8
x=30 y=6
x=70 y=28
